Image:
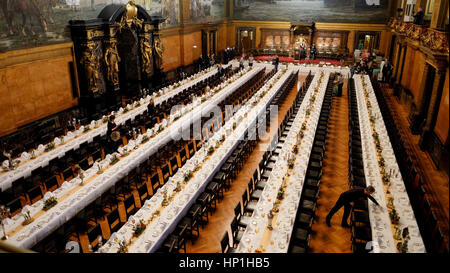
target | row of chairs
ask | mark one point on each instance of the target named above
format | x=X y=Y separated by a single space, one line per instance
x=360 y=221
x=32 y=188
x=255 y=187
x=205 y=205
x=429 y=225
x=140 y=184
x=304 y=219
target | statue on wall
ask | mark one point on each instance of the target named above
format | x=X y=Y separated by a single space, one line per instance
x=147 y=55
x=159 y=49
x=112 y=60
x=90 y=62
x=130 y=18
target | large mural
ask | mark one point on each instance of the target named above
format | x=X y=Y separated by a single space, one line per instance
x=28 y=23
x=339 y=11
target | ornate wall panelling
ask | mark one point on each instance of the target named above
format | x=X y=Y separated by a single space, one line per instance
x=118 y=54
x=434 y=46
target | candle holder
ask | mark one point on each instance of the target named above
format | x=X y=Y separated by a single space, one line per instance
x=165 y=202
x=4 y=213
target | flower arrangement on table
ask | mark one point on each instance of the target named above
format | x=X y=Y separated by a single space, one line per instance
x=61 y=140
x=211 y=150
x=27 y=216
x=222 y=138
x=188 y=176
x=126 y=109
x=177 y=117
x=125 y=152
x=308 y=112
x=160 y=128
x=50 y=202
x=145 y=139
x=291 y=163
x=33 y=155
x=50 y=146
x=386 y=178
x=203 y=100
x=303 y=127
x=295 y=149
x=114 y=160
x=86 y=128
x=139 y=228
x=105 y=119
x=280 y=194
x=395 y=218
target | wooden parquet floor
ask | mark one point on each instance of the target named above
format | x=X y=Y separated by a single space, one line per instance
x=334 y=239
x=436 y=182
x=219 y=222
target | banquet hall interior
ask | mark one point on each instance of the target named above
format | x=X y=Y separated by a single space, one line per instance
x=205 y=126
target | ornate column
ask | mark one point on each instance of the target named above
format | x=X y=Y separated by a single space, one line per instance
x=433 y=109
x=399 y=69
x=417 y=116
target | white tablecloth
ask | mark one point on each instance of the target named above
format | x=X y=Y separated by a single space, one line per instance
x=281 y=233
x=68 y=208
x=379 y=217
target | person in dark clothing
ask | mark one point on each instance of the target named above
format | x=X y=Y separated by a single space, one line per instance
x=313 y=52
x=112 y=127
x=418 y=17
x=347 y=199
x=387 y=71
x=151 y=108
x=276 y=63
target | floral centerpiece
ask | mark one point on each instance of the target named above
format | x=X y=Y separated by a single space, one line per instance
x=86 y=128
x=105 y=119
x=27 y=216
x=145 y=139
x=33 y=155
x=177 y=117
x=295 y=149
x=50 y=146
x=50 y=202
x=386 y=178
x=123 y=247
x=139 y=228
x=222 y=139
x=211 y=150
x=395 y=218
x=280 y=194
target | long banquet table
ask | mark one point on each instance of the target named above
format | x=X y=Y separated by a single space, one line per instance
x=74 y=139
x=76 y=197
x=257 y=237
x=391 y=195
